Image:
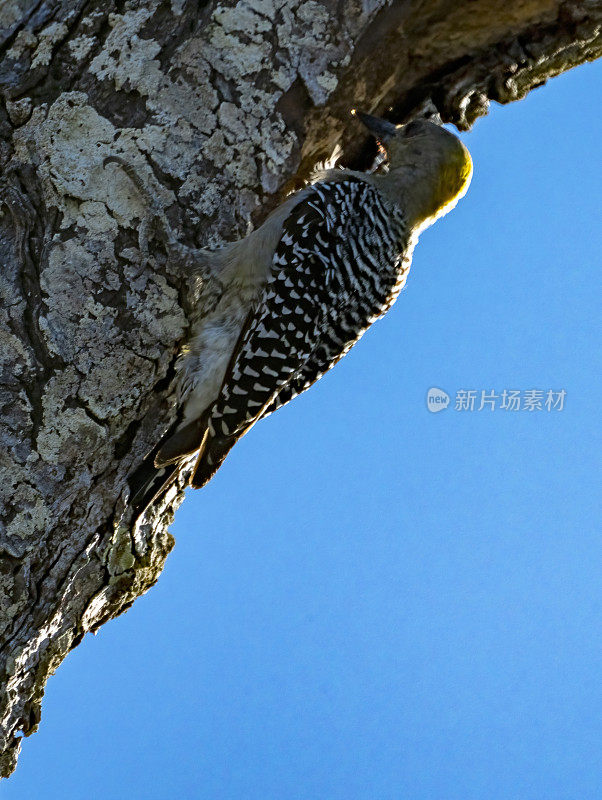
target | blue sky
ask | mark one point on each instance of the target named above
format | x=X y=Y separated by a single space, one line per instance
x=371 y=601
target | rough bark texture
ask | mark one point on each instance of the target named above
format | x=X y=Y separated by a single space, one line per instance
x=217 y=108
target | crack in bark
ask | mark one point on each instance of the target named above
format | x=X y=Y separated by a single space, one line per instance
x=29 y=248
x=10 y=37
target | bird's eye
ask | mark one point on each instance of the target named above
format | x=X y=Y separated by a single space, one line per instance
x=413 y=128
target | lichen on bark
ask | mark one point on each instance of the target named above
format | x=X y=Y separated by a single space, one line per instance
x=217 y=109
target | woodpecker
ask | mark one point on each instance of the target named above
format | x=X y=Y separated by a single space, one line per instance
x=305 y=286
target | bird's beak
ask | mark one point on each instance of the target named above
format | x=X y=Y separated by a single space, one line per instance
x=379 y=128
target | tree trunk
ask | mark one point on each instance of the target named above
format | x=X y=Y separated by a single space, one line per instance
x=126 y=126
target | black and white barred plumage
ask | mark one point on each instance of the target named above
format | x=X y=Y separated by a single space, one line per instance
x=341 y=261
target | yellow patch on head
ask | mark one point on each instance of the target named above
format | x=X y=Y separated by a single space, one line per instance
x=454 y=179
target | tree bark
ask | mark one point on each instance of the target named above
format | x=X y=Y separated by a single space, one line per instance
x=124 y=124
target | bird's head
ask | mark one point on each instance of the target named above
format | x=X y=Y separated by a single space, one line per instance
x=429 y=168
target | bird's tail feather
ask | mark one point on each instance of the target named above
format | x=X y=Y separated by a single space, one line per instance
x=210 y=459
x=184 y=442
x=148 y=482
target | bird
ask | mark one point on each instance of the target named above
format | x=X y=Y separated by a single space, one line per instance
x=305 y=286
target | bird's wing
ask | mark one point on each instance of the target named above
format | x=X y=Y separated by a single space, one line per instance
x=333 y=346
x=283 y=334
